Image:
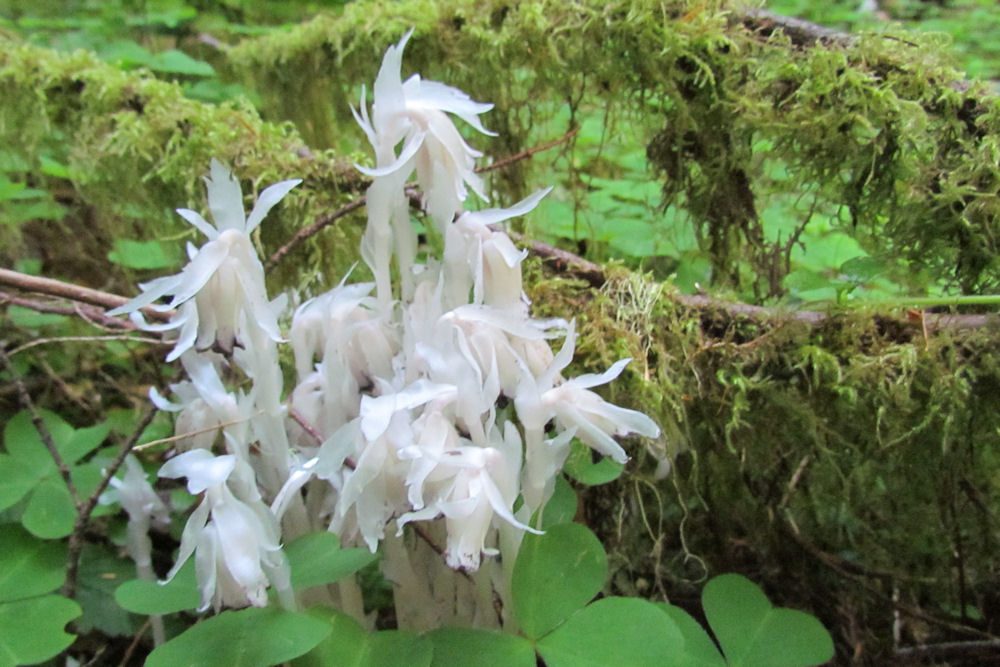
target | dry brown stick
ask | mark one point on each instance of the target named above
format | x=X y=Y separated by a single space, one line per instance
x=527 y=153
x=84 y=510
x=73 y=292
x=307 y=232
x=93 y=314
x=43 y=430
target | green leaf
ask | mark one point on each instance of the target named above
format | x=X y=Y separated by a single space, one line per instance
x=54 y=167
x=151 y=598
x=344 y=646
x=699 y=649
x=252 y=637
x=458 y=647
x=16 y=480
x=390 y=648
x=23 y=441
x=101 y=571
x=317 y=559
x=142 y=255
x=178 y=62
x=554 y=575
x=32 y=319
x=581 y=466
x=83 y=441
x=50 y=512
x=752 y=632
x=32 y=630
x=614 y=631
x=560 y=508
x=29 y=566
x=348 y=645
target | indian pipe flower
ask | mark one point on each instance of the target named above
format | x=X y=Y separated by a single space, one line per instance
x=224 y=279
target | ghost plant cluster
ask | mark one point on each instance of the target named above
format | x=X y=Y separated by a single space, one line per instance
x=428 y=397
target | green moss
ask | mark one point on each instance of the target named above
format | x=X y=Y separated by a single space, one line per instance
x=136 y=149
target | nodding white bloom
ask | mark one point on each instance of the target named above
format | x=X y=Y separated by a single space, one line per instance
x=137 y=497
x=234 y=540
x=415 y=112
x=573 y=405
x=222 y=287
x=473 y=484
x=485 y=260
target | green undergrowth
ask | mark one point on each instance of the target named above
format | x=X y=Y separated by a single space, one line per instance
x=846 y=463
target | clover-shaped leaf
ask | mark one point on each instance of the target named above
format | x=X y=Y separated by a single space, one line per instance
x=753 y=632
x=556 y=574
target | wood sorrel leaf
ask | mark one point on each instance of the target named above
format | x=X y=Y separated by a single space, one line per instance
x=752 y=632
x=149 y=597
x=699 y=649
x=349 y=645
x=29 y=566
x=252 y=637
x=456 y=647
x=317 y=559
x=614 y=631
x=556 y=574
x=32 y=630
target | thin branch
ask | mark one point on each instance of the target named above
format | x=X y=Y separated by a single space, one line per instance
x=88 y=339
x=951 y=650
x=73 y=292
x=43 y=430
x=77 y=537
x=313 y=229
x=525 y=154
x=92 y=314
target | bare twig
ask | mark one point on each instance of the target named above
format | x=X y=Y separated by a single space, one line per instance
x=84 y=510
x=92 y=314
x=951 y=650
x=43 y=430
x=527 y=153
x=87 y=339
x=307 y=232
x=73 y=292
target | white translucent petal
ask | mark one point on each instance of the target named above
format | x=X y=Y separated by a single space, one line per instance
x=201 y=467
x=203 y=225
x=225 y=199
x=270 y=196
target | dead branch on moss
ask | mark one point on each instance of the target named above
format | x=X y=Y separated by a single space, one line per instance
x=802 y=33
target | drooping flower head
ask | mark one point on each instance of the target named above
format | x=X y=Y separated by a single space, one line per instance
x=414 y=112
x=222 y=287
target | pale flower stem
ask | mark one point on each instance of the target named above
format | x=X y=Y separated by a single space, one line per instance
x=415 y=607
x=352 y=603
x=141 y=547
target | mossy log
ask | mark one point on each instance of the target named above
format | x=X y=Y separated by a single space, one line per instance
x=846 y=462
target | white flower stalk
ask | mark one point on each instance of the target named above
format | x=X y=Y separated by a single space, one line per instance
x=143 y=506
x=485 y=260
x=234 y=540
x=224 y=279
x=574 y=408
x=206 y=406
x=414 y=112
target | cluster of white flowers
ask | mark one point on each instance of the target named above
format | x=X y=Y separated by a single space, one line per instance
x=439 y=400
